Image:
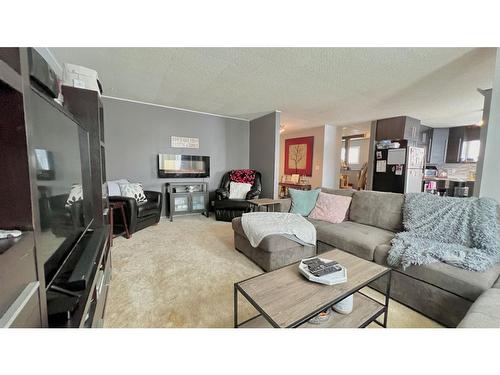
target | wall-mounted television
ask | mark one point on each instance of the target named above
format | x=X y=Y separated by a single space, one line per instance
x=183 y=166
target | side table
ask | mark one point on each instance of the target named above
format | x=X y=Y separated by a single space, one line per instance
x=121 y=207
x=264 y=202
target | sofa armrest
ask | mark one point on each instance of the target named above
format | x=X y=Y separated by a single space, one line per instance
x=285 y=204
x=130 y=210
x=153 y=196
x=221 y=194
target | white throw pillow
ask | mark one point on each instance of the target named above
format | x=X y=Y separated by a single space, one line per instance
x=238 y=190
x=114 y=187
x=75 y=195
x=133 y=190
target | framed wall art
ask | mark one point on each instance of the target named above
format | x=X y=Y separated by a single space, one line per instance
x=299 y=155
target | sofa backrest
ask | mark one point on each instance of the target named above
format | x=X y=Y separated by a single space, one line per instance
x=345 y=192
x=378 y=209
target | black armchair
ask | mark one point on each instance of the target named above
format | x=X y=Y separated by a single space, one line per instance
x=63 y=220
x=227 y=209
x=139 y=215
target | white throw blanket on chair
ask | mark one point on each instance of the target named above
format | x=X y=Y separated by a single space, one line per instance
x=258 y=225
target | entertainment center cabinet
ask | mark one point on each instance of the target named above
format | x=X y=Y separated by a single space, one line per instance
x=56 y=274
x=186 y=198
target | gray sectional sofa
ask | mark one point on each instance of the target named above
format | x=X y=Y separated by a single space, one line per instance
x=440 y=291
x=485 y=311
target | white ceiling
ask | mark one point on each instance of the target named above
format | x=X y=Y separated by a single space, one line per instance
x=311 y=86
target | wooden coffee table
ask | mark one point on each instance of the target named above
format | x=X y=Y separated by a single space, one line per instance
x=285 y=299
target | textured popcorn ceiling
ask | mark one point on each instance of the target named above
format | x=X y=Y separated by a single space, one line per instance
x=311 y=86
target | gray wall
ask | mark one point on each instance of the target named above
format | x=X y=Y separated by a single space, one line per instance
x=136 y=133
x=489 y=178
x=265 y=151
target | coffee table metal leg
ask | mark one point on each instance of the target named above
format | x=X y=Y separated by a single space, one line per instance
x=235 y=312
x=387 y=298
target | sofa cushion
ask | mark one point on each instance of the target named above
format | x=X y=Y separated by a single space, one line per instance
x=303 y=201
x=317 y=223
x=133 y=190
x=497 y=284
x=331 y=208
x=485 y=312
x=270 y=244
x=343 y=192
x=467 y=284
x=379 y=209
x=358 y=239
x=147 y=208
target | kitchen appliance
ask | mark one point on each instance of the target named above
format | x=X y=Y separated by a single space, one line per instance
x=430 y=171
x=399 y=170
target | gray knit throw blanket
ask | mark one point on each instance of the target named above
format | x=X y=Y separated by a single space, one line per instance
x=462 y=232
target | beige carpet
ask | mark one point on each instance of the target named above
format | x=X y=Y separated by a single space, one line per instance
x=181 y=274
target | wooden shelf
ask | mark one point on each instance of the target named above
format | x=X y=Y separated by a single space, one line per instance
x=10 y=77
x=364 y=309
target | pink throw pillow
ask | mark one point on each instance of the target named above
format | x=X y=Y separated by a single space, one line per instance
x=330 y=207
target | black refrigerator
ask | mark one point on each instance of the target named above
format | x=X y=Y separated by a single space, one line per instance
x=398 y=170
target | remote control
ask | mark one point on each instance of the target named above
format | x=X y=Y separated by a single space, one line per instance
x=326 y=270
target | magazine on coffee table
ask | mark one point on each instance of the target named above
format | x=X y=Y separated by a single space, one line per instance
x=323 y=271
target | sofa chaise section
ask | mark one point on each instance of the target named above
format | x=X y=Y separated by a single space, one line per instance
x=485 y=312
x=438 y=290
x=273 y=252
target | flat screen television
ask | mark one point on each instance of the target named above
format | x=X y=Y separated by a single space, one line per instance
x=60 y=147
x=182 y=166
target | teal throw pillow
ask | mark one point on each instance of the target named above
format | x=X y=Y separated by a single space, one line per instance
x=303 y=201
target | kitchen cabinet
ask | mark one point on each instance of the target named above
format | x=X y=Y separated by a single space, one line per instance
x=424 y=136
x=457 y=139
x=401 y=127
x=438 y=143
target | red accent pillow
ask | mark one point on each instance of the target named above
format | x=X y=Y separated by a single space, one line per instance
x=246 y=176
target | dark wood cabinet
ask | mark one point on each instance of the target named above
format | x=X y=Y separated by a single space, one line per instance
x=23 y=107
x=455 y=141
x=401 y=127
x=19 y=285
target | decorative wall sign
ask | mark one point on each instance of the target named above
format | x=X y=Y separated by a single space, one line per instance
x=299 y=156
x=184 y=142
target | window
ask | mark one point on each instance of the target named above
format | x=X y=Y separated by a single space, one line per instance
x=470 y=150
x=354 y=154
x=342 y=151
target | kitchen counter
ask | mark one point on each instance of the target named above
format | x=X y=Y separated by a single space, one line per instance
x=454 y=179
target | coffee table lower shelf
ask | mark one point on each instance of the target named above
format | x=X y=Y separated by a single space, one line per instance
x=366 y=310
